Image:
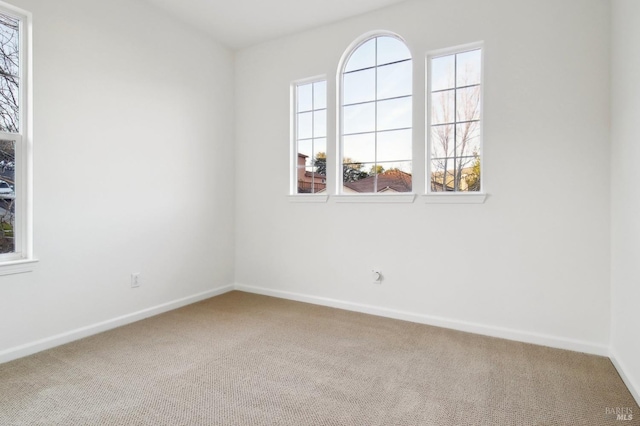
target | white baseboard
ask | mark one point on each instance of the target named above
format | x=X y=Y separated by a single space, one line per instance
x=634 y=388
x=79 y=333
x=505 y=333
x=501 y=332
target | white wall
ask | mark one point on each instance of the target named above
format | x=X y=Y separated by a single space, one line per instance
x=133 y=135
x=134 y=167
x=625 y=196
x=531 y=263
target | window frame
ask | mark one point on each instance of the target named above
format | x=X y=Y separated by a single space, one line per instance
x=294 y=195
x=456 y=197
x=22 y=259
x=340 y=195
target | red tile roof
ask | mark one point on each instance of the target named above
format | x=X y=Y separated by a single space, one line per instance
x=394 y=180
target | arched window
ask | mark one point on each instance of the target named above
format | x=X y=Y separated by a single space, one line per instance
x=376 y=117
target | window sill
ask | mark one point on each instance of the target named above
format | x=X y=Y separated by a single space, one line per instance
x=455 y=198
x=13 y=267
x=375 y=198
x=322 y=198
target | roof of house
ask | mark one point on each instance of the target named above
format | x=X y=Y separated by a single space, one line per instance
x=315 y=175
x=390 y=180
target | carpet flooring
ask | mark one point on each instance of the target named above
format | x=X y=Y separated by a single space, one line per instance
x=244 y=359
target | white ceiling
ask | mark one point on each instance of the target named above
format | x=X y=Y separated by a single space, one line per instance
x=242 y=23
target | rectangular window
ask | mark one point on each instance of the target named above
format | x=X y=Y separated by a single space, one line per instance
x=14 y=174
x=310 y=137
x=455 y=121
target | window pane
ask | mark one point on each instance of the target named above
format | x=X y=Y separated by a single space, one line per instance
x=305 y=180
x=394 y=177
x=320 y=153
x=468 y=68
x=442 y=175
x=403 y=166
x=359 y=118
x=7 y=196
x=394 y=147
x=442 y=73
x=442 y=106
x=359 y=148
x=464 y=164
x=395 y=80
x=357 y=174
x=305 y=125
x=305 y=147
x=363 y=57
x=359 y=86
x=312 y=182
x=464 y=175
x=468 y=103
x=302 y=186
x=394 y=114
x=390 y=49
x=320 y=95
x=471 y=176
x=9 y=77
x=320 y=124
x=442 y=141
x=304 y=98
x=467 y=138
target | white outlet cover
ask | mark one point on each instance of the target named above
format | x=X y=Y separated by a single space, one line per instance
x=135 y=280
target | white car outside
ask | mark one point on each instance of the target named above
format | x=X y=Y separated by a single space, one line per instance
x=6 y=191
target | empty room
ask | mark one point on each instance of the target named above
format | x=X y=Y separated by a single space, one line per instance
x=276 y=212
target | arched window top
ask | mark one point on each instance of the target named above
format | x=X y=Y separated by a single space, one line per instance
x=375 y=51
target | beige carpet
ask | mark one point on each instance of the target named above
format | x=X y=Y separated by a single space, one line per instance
x=242 y=359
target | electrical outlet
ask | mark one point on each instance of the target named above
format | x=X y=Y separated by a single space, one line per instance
x=135 y=279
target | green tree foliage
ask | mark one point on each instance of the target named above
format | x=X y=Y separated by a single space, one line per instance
x=351 y=171
x=473 y=178
x=376 y=170
x=320 y=163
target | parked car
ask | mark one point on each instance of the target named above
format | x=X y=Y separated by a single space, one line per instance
x=6 y=191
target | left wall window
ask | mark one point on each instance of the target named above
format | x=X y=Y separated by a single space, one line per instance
x=310 y=137
x=15 y=242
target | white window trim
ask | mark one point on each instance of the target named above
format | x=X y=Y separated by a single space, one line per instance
x=23 y=259
x=432 y=197
x=18 y=267
x=406 y=197
x=340 y=196
x=308 y=198
x=294 y=196
x=454 y=198
x=428 y=197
